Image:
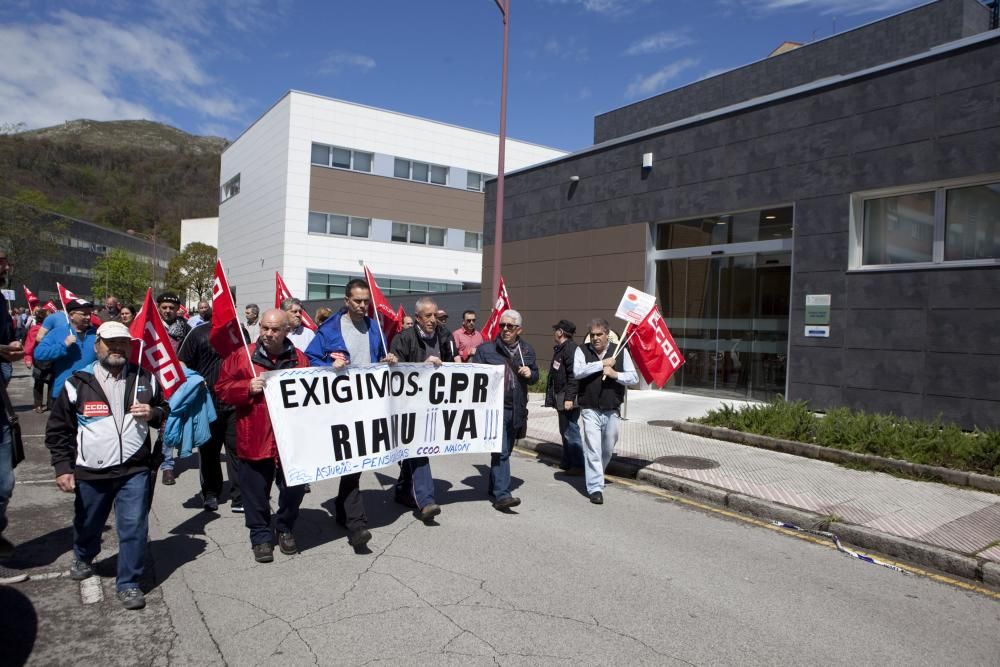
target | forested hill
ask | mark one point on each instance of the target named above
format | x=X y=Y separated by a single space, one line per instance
x=123 y=174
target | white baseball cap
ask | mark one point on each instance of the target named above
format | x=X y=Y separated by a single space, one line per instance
x=110 y=330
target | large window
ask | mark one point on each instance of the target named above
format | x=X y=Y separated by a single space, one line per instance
x=476 y=181
x=745 y=227
x=420 y=171
x=342 y=158
x=229 y=189
x=419 y=234
x=931 y=226
x=323 y=285
x=473 y=241
x=339 y=225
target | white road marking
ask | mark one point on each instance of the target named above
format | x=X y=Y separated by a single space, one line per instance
x=91 y=591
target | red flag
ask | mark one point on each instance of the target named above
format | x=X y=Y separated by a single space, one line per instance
x=500 y=306
x=65 y=295
x=281 y=293
x=158 y=356
x=379 y=304
x=183 y=311
x=49 y=306
x=226 y=335
x=653 y=349
x=31 y=298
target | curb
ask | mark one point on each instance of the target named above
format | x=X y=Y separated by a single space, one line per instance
x=973 y=480
x=918 y=553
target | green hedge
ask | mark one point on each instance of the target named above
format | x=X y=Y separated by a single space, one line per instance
x=928 y=442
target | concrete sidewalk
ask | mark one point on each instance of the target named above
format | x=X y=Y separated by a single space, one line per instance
x=906 y=513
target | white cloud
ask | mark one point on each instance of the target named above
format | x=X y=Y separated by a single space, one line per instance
x=661 y=41
x=606 y=7
x=647 y=85
x=338 y=62
x=71 y=66
x=846 y=7
x=566 y=49
x=584 y=94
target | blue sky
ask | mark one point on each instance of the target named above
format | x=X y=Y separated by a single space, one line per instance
x=214 y=67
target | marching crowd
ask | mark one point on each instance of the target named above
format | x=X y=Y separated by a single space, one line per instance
x=103 y=411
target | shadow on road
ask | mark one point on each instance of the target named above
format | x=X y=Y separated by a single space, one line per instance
x=43 y=550
x=18 y=626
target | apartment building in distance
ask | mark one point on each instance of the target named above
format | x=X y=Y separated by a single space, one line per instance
x=316 y=187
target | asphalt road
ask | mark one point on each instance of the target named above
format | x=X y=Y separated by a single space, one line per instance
x=639 y=580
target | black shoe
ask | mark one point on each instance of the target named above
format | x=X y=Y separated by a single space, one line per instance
x=6 y=548
x=405 y=500
x=359 y=537
x=211 y=503
x=597 y=498
x=236 y=508
x=428 y=512
x=264 y=552
x=132 y=598
x=506 y=503
x=9 y=576
x=80 y=570
x=168 y=478
x=286 y=542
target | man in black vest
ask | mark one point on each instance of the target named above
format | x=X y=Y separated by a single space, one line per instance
x=602 y=380
x=560 y=393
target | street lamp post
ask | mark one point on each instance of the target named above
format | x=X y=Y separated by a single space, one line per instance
x=504 y=6
x=151 y=238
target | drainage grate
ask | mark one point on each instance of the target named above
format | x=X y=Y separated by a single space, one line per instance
x=687 y=462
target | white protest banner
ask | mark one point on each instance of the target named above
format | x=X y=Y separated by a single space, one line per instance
x=329 y=423
x=635 y=305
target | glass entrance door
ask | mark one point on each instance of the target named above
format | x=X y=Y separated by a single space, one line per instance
x=729 y=315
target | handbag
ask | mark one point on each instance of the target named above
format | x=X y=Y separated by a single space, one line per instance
x=16 y=441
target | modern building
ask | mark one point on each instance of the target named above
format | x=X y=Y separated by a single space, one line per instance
x=200 y=230
x=316 y=187
x=823 y=224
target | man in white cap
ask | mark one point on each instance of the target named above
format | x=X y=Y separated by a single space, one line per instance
x=98 y=436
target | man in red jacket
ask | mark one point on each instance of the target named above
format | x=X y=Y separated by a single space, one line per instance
x=255 y=443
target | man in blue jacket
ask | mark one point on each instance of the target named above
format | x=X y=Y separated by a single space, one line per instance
x=70 y=346
x=349 y=337
x=518 y=359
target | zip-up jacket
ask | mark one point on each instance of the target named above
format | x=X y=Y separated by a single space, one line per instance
x=191 y=415
x=254 y=433
x=409 y=345
x=197 y=353
x=561 y=377
x=515 y=395
x=329 y=339
x=64 y=359
x=83 y=437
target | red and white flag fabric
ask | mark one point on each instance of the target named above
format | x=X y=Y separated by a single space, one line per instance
x=155 y=353
x=183 y=311
x=226 y=335
x=500 y=306
x=380 y=307
x=31 y=298
x=49 y=306
x=65 y=295
x=281 y=293
x=653 y=349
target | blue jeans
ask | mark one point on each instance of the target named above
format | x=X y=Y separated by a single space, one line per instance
x=500 y=463
x=6 y=473
x=168 y=454
x=572 y=444
x=6 y=371
x=130 y=496
x=600 y=434
x=416 y=481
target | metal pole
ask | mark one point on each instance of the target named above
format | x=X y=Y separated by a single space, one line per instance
x=154 y=257
x=498 y=228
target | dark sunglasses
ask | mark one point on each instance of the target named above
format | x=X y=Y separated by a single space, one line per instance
x=473 y=320
x=508 y=325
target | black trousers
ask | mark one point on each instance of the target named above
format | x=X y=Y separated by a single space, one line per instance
x=256 y=478
x=223 y=433
x=350 y=511
x=39 y=391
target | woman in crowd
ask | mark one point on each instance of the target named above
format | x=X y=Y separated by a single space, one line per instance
x=41 y=371
x=126 y=314
x=321 y=315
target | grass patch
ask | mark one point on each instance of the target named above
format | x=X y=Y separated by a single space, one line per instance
x=932 y=443
x=543 y=380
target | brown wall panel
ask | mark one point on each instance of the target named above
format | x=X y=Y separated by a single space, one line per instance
x=365 y=195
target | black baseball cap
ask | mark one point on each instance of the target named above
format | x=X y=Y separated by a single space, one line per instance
x=168 y=297
x=78 y=304
x=568 y=327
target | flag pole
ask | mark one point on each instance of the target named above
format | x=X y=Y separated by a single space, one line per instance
x=135 y=394
x=59 y=289
x=623 y=340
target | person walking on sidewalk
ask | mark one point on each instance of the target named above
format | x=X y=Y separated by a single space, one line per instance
x=70 y=346
x=602 y=380
x=349 y=337
x=430 y=343
x=560 y=393
x=520 y=370
x=256 y=446
x=98 y=436
x=10 y=351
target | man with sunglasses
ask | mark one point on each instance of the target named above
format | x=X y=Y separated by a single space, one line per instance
x=466 y=337
x=518 y=359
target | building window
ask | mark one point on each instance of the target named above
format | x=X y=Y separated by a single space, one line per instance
x=341 y=158
x=229 y=189
x=952 y=223
x=419 y=234
x=474 y=181
x=420 y=171
x=744 y=227
x=322 y=285
x=473 y=241
x=339 y=225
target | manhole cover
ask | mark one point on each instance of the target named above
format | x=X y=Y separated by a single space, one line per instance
x=662 y=422
x=687 y=462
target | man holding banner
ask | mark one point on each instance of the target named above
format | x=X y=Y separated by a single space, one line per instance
x=602 y=371
x=348 y=337
x=520 y=370
x=241 y=386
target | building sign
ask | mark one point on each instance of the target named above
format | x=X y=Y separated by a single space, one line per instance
x=817 y=331
x=817 y=309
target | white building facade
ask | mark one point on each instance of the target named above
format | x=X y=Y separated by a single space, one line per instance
x=199 y=230
x=316 y=187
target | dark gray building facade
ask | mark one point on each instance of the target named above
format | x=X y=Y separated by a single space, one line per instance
x=859 y=174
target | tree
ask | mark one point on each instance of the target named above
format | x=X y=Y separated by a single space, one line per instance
x=28 y=234
x=122 y=275
x=192 y=271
